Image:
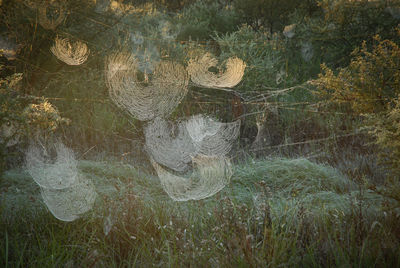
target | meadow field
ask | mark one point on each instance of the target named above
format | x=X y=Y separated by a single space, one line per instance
x=199 y=133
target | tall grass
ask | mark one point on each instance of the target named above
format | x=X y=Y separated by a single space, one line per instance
x=289 y=212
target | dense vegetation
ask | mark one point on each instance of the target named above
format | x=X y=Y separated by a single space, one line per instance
x=316 y=169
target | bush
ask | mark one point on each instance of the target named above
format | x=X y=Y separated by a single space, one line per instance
x=369 y=87
x=386 y=130
x=370 y=83
x=21 y=117
x=11 y=115
x=262 y=56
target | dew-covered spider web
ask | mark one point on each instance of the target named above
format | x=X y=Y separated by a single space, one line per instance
x=147 y=74
x=72 y=53
x=145 y=101
x=70 y=203
x=211 y=137
x=198 y=68
x=51 y=166
x=210 y=175
x=174 y=145
x=66 y=192
x=51 y=14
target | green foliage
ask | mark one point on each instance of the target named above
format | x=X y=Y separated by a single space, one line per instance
x=270 y=13
x=22 y=116
x=273 y=65
x=203 y=18
x=386 y=129
x=262 y=56
x=370 y=87
x=343 y=25
x=370 y=83
x=292 y=177
x=11 y=107
x=11 y=114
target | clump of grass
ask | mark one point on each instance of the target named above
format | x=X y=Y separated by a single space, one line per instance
x=294 y=176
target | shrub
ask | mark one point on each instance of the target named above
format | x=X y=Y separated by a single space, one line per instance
x=386 y=130
x=369 y=87
x=370 y=83
x=261 y=55
x=20 y=116
x=11 y=116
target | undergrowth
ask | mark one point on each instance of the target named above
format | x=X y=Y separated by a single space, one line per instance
x=275 y=212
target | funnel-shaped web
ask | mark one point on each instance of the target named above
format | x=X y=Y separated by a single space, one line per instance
x=174 y=146
x=53 y=168
x=169 y=145
x=69 y=203
x=137 y=38
x=147 y=57
x=200 y=127
x=143 y=101
x=307 y=51
x=199 y=72
x=9 y=134
x=394 y=11
x=72 y=53
x=210 y=137
x=51 y=15
x=210 y=175
x=66 y=192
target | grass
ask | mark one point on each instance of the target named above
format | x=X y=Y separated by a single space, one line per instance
x=275 y=212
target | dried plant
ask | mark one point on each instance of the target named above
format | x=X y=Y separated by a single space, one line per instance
x=53 y=166
x=289 y=30
x=69 y=203
x=51 y=15
x=145 y=101
x=43 y=117
x=71 y=53
x=211 y=175
x=198 y=69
